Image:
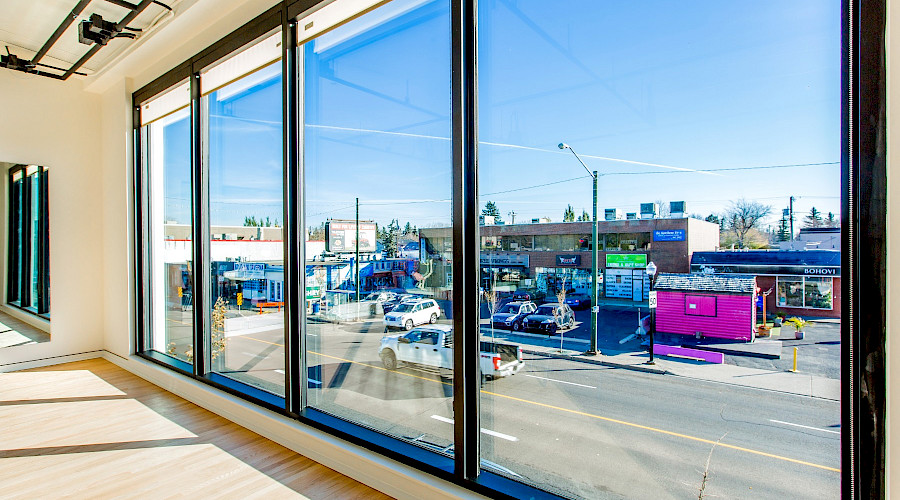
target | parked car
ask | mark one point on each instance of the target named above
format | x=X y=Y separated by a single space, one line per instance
x=413 y=313
x=391 y=304
x=550 y=318
x=432 y=346
x=528 y=295
x=511 y=315
x=578 y=301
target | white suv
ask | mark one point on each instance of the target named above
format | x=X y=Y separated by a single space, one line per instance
x=413 y=313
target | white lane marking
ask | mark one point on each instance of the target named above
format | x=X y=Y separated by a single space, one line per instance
x=280 y=371
x=486 y=431
x=560 y=381
x=314 y=381
x=804 y=426
x=245 y=353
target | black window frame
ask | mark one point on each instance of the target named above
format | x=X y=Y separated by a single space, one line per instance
x=863 y=178
x=22 y=240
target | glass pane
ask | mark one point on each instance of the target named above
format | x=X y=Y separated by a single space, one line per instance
x=15 y=246
x=243 y=152
x=167 y=156
x=34 y=231
x=817 y=293
x=377 y=136
x=702 y=120
x=789 y=292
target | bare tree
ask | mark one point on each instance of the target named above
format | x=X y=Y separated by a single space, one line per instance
x=492 y=297
x=561 y=299
x=743 y=215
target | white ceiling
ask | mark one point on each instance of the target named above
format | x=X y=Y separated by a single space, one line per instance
x=26 y=24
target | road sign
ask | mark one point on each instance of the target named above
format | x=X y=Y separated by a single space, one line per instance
x=240 y=299
x=651 y=300
x=181 y=291
x=595 y=309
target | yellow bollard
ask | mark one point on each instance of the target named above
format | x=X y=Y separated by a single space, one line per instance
x=795 y=359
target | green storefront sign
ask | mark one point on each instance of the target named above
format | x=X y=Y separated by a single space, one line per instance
x=626 y=260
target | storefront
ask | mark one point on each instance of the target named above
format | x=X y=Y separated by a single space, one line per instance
x=626 y=277
x=804 y=283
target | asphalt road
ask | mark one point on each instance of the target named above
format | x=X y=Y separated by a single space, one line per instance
x=580 y=429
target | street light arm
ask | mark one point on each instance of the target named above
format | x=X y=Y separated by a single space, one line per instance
x=592 y=174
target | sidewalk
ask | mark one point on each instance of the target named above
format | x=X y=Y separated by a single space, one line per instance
x=787 y=382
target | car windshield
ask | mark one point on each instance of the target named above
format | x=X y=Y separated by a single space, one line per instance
x=404 y=308
x=509 y=309
x=545 y=310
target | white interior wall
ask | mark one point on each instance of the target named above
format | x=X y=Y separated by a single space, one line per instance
x=55 y=124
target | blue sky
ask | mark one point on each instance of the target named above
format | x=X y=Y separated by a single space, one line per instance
x=647 y=92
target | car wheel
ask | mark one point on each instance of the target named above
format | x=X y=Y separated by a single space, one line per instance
x=552 y=330
x=517 y=326
x=571 y=324
x=408 y=325
x=433 y=318
x=388 y=359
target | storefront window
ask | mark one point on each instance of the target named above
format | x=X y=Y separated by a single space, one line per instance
x=517 y=243
x=568 y=242
x=817 y=293
x=634 y=241
x=789 y=292
x=611 y=241
x=584 y=242
x=547 y=243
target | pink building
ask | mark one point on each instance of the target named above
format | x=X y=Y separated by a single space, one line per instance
x=710 y=305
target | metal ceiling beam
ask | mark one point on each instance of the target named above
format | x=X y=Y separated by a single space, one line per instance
x=123 y=3
x=120 y=26
x=61 y=29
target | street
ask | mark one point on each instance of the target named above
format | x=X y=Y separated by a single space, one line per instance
x=579 y=429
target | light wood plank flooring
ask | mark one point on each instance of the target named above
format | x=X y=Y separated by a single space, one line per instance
x=92 y=430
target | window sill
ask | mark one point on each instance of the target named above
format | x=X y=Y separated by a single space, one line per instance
x=39 y=321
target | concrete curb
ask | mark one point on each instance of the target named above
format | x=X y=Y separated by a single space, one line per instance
x=599 y=361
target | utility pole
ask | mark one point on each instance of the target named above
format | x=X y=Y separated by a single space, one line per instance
x=791 y=209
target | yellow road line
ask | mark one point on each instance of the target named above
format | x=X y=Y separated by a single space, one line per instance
x=584 y=414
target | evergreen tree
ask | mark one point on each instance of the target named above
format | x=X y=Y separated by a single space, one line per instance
x=814 y=219
x=584 y=217
x=408 y=228
x=490 y=208
x=832 y=221
x=569 y=214
x=783 y=233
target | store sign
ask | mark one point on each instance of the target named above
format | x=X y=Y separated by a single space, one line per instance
x=668 y=235
x=568 y=260
x=626 y=260
x=244 y=271
x=766 y=270
x=502 y=260
x=820 y=271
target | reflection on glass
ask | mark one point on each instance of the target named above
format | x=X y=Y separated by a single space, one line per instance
x=377 y=162
x=702 y=121
x=167 y=155
x=14 y=290
x=244 y=155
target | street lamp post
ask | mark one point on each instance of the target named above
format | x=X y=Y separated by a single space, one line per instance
x=594 y=306
x=651 y=272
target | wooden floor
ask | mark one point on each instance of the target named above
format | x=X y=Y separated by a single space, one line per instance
x=92 y=430
x=17 y=332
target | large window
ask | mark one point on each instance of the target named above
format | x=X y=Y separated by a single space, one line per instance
x=308 y=235
x=168 y=230
x=376 y=124
x=28 y=278
x=242 y=136
x=804 y=292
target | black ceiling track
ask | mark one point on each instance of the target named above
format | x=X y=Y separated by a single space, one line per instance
x=10 y=61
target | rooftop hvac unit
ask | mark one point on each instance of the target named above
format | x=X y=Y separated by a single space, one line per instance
x=677 y=209
x=631 y=216
x=613 y=214
x=649 y=210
